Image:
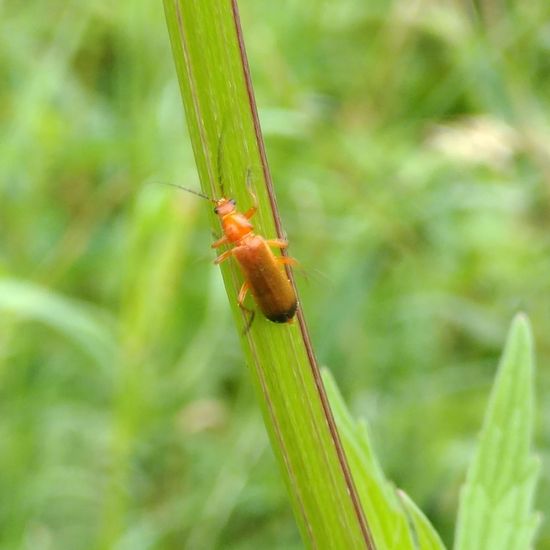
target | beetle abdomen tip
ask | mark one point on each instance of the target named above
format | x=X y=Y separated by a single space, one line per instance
x=283 y=316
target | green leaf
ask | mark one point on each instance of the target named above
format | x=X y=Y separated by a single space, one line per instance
x=224 y=129
x=425 y=536
x=496 y=506
x=394 y=525
x=88 y=327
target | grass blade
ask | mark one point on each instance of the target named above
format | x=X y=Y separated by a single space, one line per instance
x=88 y=327
x=425 y=536
x=395 y=524
x=223 y=125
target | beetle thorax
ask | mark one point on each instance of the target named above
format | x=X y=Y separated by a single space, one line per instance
x=236 y=226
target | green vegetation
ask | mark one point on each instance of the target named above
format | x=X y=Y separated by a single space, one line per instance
x=409 y=148
x=496 y=504
x=224 y=131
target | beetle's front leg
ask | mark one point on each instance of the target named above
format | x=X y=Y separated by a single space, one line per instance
x=220 y=242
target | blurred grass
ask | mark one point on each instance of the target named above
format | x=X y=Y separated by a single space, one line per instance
x=409 y=147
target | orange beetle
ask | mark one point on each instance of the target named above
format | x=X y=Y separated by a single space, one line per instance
x=264 y=275
x=262 y=270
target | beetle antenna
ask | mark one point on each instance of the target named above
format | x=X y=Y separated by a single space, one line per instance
x=192 y=191
x=219 y=157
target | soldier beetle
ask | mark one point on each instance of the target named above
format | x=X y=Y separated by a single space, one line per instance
x=263 y=271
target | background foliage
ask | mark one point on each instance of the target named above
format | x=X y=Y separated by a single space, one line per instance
x=409 y=147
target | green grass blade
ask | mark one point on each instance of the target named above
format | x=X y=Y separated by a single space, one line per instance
x=224 y=130
x=425 y=536
x=88 y=327
x=392 y=524
x=496 y=507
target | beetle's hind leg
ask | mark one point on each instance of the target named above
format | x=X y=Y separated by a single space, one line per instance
x=287 y=260
x=240 y=302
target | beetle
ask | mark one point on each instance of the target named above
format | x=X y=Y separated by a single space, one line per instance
x=263 y=271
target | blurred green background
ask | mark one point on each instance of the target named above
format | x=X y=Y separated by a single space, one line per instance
x=410 y=148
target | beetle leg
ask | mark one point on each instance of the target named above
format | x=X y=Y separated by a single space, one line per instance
x=242 y=293
x=250 y=212
x=287 y=260
x=240 y=301
x=223 y=240
x=222 y=257
x=277 y=243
